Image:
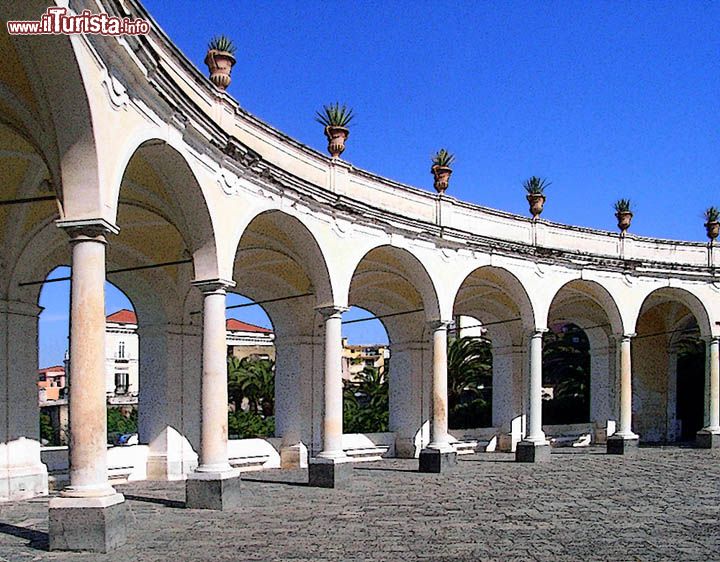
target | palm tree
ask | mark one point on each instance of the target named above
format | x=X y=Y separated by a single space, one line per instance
x=366 y=402
x=252 y=379
x=469 y=382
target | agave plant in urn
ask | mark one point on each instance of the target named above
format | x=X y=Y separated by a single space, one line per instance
x=441 y=170
x=623 y=214
x=712 y=223
x=220 y=60
x=535 y=188
x=335 y=119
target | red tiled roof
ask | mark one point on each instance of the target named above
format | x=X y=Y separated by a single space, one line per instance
x=53 y=369
x=239 y=326
x=123 y=316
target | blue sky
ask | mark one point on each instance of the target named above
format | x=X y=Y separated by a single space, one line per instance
x=605 y=99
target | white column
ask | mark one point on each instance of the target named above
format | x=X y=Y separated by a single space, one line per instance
x=88 y=415
x=214 y=393
x=535 y=432
x=333 y=388
x=626 y=389
x=713 y=374
x=439 y=437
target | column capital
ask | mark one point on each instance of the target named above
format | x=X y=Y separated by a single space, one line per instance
x=624 y=337
x=211 y=286
x=710 y=339
x=436 y=325
x=328 y=311
x=87 y=228
x=537 y=332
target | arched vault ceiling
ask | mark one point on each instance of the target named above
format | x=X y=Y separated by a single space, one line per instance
x=281 y=247
x=390 y=280
x=496 y=291
x=13 y=75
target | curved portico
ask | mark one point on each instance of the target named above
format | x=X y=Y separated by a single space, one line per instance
x=143 y=162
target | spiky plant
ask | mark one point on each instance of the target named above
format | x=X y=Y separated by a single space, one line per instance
x=712 y=214
x=535 y=185
x=442 y=158
x=334 y=115
x=622 y=206
x=222 y=43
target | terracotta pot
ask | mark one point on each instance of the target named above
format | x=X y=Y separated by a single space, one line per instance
x=220 y=64
x=624 y=219
x=442 y=177
x=712 y=229
x=536 y=200
x=336 y=137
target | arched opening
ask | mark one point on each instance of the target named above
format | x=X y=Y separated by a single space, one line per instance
x=251 y=370
x=393 y=285
x=166 y=241
x=669 y=367
x=366 y=373
x=502 y=317
x=579 y=362
x=470 y=370
x=280 y=265
x=566 y=375
x=121 y=362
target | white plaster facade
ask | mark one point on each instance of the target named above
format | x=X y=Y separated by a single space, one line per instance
x=150 y=164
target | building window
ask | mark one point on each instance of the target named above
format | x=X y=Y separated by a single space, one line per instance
x=121 y=350
x=121 y=383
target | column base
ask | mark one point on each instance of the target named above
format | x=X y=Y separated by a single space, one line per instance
x=219 y=491
x=294 y=456
x=620 y=445
x=707 y=439
x=87 y=524
x=406 y=448
x=329 y=473
x=532 y=451
x=437 y=461
x=23 y=483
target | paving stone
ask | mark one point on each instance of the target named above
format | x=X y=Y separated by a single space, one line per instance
x=662 y=504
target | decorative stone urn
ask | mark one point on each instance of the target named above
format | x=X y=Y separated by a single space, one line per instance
x=220 y=64
x=712 y=228
x=537 y=201
x=336 y=137
x=624 y=219
x=442 y=177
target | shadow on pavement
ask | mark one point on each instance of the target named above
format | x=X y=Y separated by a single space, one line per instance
x=159 y=501
x=37 y=539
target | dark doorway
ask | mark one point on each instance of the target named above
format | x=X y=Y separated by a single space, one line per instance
x=691 y=389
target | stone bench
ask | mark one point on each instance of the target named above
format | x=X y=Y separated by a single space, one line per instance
x=367 y=453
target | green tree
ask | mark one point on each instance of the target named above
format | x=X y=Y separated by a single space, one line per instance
x=366 y=402
x=47 y=431
x=469 y=382
x=566 y=368
x=118 y=423
x=252 y=379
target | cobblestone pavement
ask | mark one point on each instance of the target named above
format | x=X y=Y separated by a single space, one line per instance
x=663 y=504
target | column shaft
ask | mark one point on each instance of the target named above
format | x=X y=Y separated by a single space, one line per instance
x=214 y=394
x=534 y=427
x=625 y=389
x=439 y=438
x=714 y=376
x=88 y=415
x=333 y=388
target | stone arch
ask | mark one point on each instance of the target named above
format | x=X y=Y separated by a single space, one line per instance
x=50 y=81
x=389 y=280
x=160 y=189
x=283 y=258
x=666 y=314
